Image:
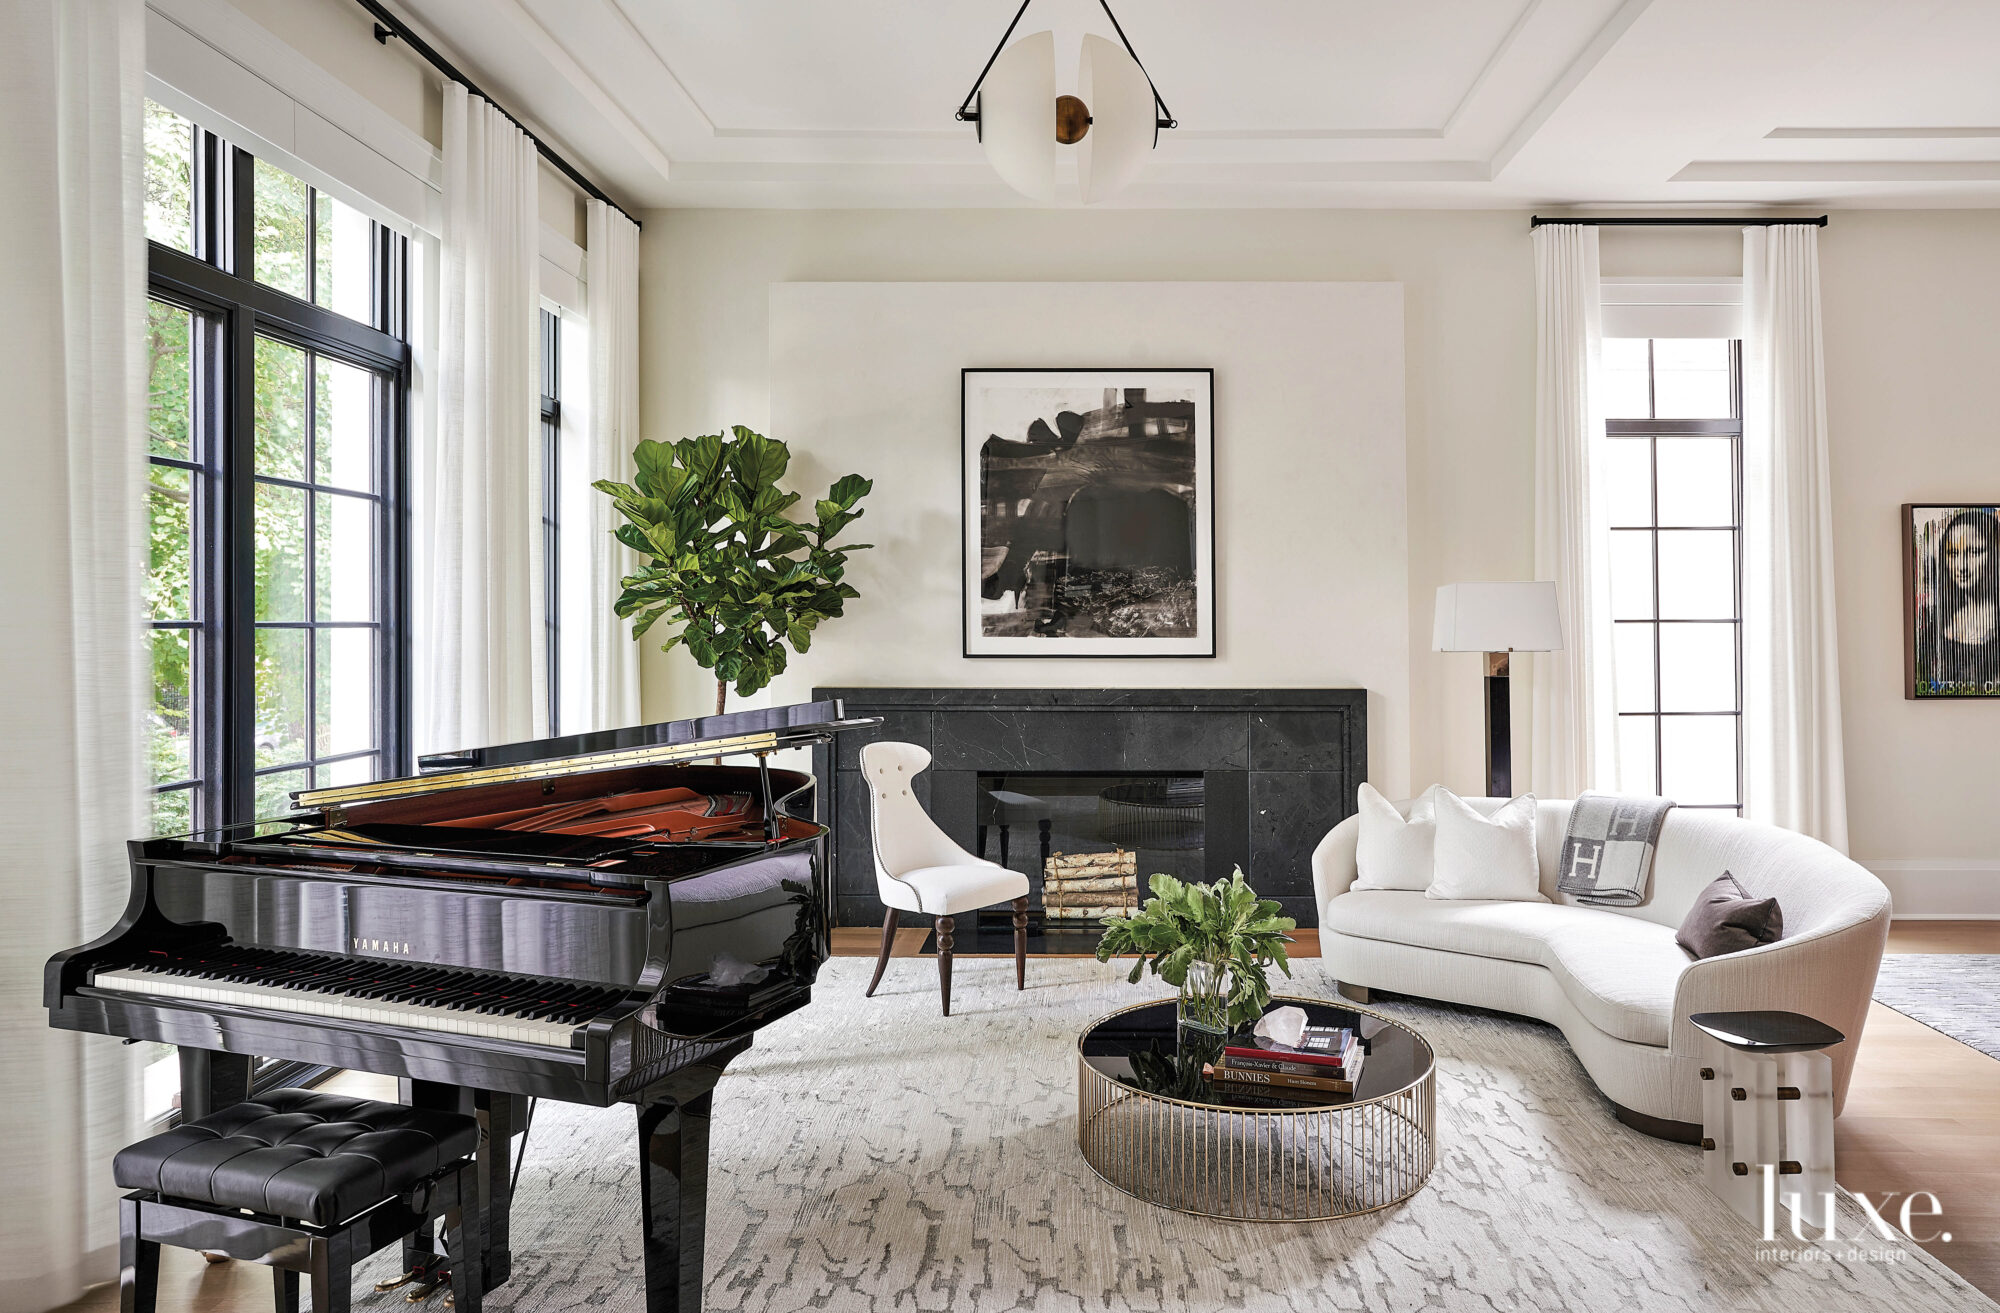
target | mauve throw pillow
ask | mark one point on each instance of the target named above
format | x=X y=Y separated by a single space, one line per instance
x=1726 y=919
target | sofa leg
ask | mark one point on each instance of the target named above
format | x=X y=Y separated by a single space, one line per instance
x=1353 y=993
x=1659 y=1128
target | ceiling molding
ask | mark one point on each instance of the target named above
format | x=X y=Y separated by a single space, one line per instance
x=1493 y=60
x=1840 y=171
x=1579 y=68
x=1878 y=134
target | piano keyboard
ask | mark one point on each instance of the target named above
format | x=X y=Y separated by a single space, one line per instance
x=520 y=1009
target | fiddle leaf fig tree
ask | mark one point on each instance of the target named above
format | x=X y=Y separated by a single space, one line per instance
x=723 y=560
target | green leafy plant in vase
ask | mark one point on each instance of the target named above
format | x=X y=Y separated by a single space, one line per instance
x=723 y=559
x=1210 y=941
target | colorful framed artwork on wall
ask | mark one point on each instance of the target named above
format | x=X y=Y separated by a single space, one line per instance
x=1951 y=600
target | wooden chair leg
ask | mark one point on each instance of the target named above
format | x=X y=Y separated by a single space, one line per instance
x=1021 y=942
x=138 y=1262
x=944 y=929
x=888 y=942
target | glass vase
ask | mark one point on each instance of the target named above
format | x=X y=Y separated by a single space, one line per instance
x=1203 y=1007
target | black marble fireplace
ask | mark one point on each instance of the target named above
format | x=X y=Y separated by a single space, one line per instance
x=1277 y=768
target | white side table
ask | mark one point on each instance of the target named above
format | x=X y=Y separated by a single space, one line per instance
x=1767 y=1115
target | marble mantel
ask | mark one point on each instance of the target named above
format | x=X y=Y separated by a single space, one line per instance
x=1281 y=766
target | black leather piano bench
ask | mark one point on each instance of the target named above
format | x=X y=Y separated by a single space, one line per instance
x=304 y=1182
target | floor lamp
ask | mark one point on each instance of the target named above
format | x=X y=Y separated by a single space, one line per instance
x=1497 y=619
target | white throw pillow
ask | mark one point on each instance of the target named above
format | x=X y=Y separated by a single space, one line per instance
x=1486 y=857
x=1392 y=852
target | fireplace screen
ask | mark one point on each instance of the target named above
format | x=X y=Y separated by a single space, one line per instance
x=1089 y=842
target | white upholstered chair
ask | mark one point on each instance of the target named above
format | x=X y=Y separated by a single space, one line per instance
x=919 y=869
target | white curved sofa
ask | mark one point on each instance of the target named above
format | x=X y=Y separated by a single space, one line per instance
x=1612 y=979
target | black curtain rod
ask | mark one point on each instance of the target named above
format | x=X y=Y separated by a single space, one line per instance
x=388 y=25
x=1675 y=221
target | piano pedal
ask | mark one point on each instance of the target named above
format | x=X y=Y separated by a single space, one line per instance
x=433 y=1283
x=394 y=1283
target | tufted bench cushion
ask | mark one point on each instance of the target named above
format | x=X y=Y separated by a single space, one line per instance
x=318 y=1158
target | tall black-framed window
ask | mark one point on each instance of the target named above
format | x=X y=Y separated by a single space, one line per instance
x=277 y=589
x=1673 y=482
x=552 y=510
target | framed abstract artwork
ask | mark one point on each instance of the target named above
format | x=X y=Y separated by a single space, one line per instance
x=1951 y=600
x=1089 y=512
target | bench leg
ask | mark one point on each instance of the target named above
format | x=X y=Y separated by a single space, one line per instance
x=332 y=1275
x=138 y=1263
x=286 y=1285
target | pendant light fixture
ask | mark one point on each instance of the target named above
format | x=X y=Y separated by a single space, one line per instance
x=1114 y=120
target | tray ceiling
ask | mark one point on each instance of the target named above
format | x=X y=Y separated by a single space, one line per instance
x=1449 y=103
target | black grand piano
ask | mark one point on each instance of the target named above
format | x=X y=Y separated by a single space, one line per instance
x=603 y=918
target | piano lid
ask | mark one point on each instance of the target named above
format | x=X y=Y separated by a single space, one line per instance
x=771 y=729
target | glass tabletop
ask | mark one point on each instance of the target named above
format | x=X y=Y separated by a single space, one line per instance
x=1139 y=1048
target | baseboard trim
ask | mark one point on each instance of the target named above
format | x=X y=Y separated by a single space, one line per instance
x=1940 y=888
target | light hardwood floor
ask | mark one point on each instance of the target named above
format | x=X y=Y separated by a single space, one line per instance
x=1923 y=1113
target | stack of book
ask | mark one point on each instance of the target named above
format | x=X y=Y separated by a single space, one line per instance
x=1324 y=1065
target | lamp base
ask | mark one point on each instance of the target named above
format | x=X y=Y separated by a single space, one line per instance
x=1499 y=729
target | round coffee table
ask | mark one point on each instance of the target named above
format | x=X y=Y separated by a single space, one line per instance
x=1152 y=1125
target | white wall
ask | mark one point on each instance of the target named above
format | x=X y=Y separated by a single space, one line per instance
x=1468 y=395
x=1912 y=311
x=1912 y=306
x=1311 y=549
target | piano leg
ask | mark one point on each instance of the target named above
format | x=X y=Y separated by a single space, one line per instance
x=500 y=1120
x=673 y=1191
x=212 y=1080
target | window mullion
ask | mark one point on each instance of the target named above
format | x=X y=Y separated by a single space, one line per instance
x=237 y=705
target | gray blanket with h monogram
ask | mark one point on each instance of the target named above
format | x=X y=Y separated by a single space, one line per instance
x=1607 y=855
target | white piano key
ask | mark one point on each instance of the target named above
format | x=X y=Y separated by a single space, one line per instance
x=549 y=1034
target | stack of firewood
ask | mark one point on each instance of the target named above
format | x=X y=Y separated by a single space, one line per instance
x=1086 y=886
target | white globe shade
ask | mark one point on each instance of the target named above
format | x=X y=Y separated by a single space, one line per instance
x=1123 y=128
x=1017 y=116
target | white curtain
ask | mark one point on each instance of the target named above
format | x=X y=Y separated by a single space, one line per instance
x=607 y=670
x=1793 y=770
x=72 y=653
x=481 y=662
x=1574 y=744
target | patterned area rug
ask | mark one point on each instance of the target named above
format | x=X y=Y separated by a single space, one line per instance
x=871 y=1155
x=1955 y=994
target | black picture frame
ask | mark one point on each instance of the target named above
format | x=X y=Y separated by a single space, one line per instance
x=1151 y=524
x=1951 y=563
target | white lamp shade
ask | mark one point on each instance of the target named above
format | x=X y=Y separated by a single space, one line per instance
x=1017 y=116
x=1123 y=128
x=1497 y=617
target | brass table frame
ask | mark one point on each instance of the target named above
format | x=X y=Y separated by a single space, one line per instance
x=1306 y=1164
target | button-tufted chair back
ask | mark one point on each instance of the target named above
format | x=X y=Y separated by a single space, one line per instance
x=906 y=838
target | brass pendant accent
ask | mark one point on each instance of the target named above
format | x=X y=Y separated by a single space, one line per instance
x=1072 y=120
